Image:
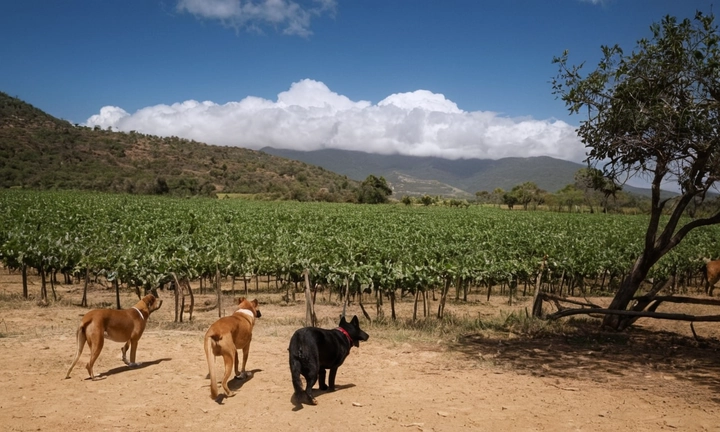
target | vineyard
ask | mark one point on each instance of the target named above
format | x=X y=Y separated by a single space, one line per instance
x=144 y=241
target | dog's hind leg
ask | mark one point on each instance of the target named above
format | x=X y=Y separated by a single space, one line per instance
x=211 y=366
x=229 y=353
x=295 y=368
x=96 y=347
x=80 y=345
x=311 y=378
x=321 y=379
x=243 y=374
x=331 y=379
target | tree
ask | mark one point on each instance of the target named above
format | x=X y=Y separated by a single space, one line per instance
x=482 y=197
x=524 y=194
x=510 y=199
x=653 y=113
x=596 y=187
x=427 y=200
x=496 y=197
x=569 y=196
x=374 y=190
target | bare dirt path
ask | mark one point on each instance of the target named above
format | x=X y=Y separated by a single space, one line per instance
x=655 y=378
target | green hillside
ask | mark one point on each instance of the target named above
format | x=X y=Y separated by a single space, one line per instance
x=38 y=151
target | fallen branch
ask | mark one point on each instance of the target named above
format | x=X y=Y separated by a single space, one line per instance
x=689 y=300
x=658 y=315
x=547 y=296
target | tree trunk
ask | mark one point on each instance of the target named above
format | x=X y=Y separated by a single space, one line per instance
x=627 y=291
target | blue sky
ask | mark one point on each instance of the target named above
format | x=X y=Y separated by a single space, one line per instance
x=448 y=78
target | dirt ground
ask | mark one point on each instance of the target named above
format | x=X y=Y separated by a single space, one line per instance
x=655 y=377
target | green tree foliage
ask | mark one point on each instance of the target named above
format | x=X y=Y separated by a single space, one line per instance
x=482 y=197
x=570 y=197
x=510 y=199
x=524 y=194
x=653 y=112
x=596 y=187
x=427 y=200
x=374 y=190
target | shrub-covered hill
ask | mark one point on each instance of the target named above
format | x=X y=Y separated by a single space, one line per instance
x=38 y=151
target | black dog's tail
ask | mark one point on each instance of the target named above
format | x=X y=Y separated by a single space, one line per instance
x=296 y=367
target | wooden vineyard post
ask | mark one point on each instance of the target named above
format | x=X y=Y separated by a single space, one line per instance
x=117 y=291
x=347 y=294
x=310 y=318
x=219 y=292
x=537 y=300
x=83 y=302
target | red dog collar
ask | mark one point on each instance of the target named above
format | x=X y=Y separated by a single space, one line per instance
x=347 y=335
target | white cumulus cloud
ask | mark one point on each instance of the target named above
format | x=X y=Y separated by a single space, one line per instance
x=292 y=16
x=309 y=116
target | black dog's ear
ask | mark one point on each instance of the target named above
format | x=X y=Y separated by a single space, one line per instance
x=342 y=320
x=355 y=321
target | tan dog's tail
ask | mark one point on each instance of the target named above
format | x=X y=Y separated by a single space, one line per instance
x=81 y=339
x=210 y=348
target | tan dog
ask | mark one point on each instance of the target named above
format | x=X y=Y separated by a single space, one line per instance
x=227 y=335
x=126 y=325
x=711 y=275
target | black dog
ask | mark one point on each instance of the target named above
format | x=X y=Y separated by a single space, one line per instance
x=313 y=350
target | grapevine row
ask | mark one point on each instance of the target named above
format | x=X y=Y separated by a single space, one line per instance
x=143 y=240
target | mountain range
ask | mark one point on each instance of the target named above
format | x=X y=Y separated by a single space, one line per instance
x=39 y=151
x=462 y=178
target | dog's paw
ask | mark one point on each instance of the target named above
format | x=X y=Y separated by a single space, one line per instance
x=323 y=387
x=134 y=365
x=243 y=375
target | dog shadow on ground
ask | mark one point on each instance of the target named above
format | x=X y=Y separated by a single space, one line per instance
x=299 y=400
x=235 y=384
x=125 y=368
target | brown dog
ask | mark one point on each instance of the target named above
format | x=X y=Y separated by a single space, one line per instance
x=126 y=325
x=227 y=335
x=711 y=275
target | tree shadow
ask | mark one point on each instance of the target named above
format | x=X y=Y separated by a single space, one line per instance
x=637 y=357
x=299 y=400
x=125 y=368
